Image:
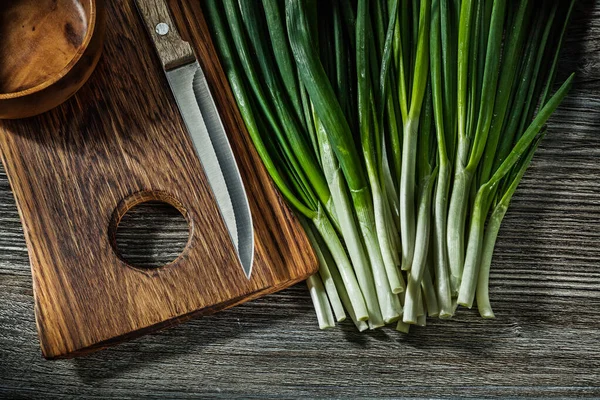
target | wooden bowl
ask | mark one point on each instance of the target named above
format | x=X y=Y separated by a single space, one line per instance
x=48 y=50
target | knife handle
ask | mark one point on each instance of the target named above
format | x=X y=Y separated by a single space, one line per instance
x=172 y=50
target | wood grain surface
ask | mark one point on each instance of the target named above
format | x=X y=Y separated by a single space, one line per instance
x=545 y=289
x=77 y=169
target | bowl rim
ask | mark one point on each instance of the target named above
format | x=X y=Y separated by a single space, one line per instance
x=67 y=68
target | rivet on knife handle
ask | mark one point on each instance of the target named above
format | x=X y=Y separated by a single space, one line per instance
x=172 y=50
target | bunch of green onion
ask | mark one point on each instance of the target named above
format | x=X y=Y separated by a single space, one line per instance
x=398 y=130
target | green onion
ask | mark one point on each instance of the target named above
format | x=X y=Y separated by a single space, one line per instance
x=350 y=231
x=467 y=162
x=399 y=132
x=472 y=263
x=320 y=302
x=491 y=234
x=332 y=117
x=442 y=188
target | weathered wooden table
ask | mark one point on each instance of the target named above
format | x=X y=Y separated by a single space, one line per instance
x=545 y=288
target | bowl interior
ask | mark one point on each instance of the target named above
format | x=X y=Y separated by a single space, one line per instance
x=40 y=39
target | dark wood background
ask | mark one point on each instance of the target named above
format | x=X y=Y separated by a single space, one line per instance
x=545 y=289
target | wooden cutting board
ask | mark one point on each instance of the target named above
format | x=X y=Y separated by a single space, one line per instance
x=120 y=141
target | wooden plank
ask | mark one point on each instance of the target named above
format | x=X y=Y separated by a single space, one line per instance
x=120 y=141
x=545 y=289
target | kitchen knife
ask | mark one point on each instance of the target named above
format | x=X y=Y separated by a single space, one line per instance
x=198 y=110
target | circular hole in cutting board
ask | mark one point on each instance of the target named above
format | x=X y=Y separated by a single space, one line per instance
x=151 y=234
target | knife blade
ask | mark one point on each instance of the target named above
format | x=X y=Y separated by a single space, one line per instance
x=203 y=123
